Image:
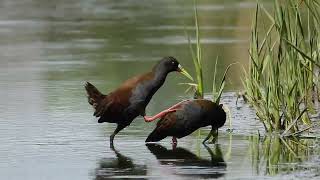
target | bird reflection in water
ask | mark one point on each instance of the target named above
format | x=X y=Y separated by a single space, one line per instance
x=186 y=163
x=120 y=167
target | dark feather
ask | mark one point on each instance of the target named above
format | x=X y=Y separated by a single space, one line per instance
x=124 y=104
x=187 y=118
x=96 y=99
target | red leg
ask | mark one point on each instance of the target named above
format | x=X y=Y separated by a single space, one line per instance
x=174 y=142
x=164 y=112
x=178 y=104
x=159 y=115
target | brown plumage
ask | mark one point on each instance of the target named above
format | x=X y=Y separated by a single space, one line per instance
x=124 y=104
x=186 y=117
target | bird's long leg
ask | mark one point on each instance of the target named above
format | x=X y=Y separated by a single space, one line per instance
x=216 y=156
x=215 y=136
x=159 y=115
x=119 y=128
x=178 y=104
x=174 y=142
x=164 y=112
x=209 y=150
x=208 y=137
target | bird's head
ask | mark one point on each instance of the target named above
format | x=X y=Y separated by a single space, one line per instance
x=220 y=113
x=170 y=64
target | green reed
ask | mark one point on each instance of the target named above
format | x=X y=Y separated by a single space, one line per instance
x=196 y=57
x=282 y=83
x=196 y=52
x=270 y=151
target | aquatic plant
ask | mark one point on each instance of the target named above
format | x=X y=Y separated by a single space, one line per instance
x=266 y=153
x=196 y=58
x=282 y=83
x=198 y=86
x=196 y=53
x=217 y=90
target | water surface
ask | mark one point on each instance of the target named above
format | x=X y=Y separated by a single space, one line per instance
x=48 y=49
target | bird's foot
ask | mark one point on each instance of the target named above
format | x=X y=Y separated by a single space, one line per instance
x=214 y=134
x=214 y=140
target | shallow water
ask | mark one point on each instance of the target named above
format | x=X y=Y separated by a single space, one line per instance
x=48 y=49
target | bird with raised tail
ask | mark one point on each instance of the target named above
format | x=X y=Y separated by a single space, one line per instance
x=124 y=104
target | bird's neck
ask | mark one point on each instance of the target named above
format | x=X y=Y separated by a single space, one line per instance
x=159 y=77
x=153 y=85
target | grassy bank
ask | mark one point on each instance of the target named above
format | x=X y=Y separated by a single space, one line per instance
x=282 y=83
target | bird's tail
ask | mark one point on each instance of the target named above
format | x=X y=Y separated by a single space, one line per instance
x=95 y=98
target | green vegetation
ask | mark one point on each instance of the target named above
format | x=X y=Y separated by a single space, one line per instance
x=282 y=84
x=197 y=58
x=198 y=86
x=196 y=53
x=270 y=151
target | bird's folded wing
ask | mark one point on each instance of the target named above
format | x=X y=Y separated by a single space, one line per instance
x=102 y=107
x=167 y=122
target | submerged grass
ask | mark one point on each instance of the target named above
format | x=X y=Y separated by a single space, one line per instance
x=282 y=84
x=270 y=151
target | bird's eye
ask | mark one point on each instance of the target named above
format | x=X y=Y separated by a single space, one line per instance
x=172 y=62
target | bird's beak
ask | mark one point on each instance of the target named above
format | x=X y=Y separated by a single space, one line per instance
x=184 y=72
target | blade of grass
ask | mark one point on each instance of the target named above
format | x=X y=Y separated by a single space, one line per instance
x=222 y=83
x=302 y=53
x=214 y=80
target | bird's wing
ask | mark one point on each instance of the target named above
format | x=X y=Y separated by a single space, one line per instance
x=167 y=122
x=102 y=107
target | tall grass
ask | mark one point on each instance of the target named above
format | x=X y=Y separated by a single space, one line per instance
x=196 y=57
x=196 y=53
x=282 y=83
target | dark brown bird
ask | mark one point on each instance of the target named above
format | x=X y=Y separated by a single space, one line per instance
x=124 y=104
x=185 y=117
